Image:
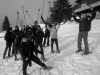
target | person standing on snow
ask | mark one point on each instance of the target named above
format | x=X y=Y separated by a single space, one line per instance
x=16 y=42
x=9 y=39
x=84 y=27
x=47 y=33
x=54 y=36
x=27 y=53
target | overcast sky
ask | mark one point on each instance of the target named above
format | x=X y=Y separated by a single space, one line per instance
x=10 y=7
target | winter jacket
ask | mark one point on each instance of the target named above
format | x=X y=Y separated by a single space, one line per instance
x=39 y=36
x=53 y=31
x=34 y=29
x=85 y=23
x=9 y=36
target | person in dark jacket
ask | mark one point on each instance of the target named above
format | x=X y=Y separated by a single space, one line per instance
x=34 y=28
x=16 y=41
x=27 y=49
x=47 y=33
x=9 y=39
x=38 y=41
x=84 y=27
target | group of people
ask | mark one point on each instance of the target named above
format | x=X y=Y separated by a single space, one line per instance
x=28 y=41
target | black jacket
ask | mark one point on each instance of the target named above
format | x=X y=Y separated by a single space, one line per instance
x=85 y=24
x=39 y=36
x=9 y=37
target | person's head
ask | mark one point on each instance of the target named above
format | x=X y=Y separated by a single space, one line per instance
x=38 y=27
x=54 y=26
x=10 y=29
x=36 y=23
x=16 y=28
x=83 y=15
x=89 y=14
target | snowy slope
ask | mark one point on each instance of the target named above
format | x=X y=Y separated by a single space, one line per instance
x=65 y=63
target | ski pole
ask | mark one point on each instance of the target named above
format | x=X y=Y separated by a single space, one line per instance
x=20 y=71
x=24 y=14
x=42 y=7
x=38 y=15
x=18 y=18
x=29 y=16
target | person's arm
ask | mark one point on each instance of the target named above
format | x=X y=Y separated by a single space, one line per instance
x=58 y=26
x=43 y=19
x=93 y=15
x=49 y=28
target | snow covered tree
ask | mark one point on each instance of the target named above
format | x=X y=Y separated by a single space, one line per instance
x=6 y=24
x=61 y=11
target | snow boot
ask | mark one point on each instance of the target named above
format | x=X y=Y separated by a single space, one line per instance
x=47 y=68
x=58 y=51
x=86 y=53
x=52 y=51
x=78 y=51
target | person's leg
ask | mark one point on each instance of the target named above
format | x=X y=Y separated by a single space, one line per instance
x=44 y=41
x=10 y=44
x=52 y=42
x=36 y=53
x=57 y=47
x=15 y=52
x=24 y=57
x=37 y=61
x=85 y=38
x=79 y=42
x=25 y=64
x=13 y=49
x=42 y=55
x=5 y=51
x=48 y=40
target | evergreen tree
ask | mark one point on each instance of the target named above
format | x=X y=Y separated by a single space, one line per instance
x=6 y=24
x=61 y=11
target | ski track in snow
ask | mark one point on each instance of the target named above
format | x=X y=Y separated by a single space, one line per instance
x=65 y=63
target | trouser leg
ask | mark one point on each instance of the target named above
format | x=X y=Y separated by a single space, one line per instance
x=48 y=40
x=52 y=42
x=56 y=42
x=13 y=48
x=15 y=52
x=25 y=64
x=37 y=61
x=5 y=51
x=44 y=41
x=79 y=41
x=10 y=44
x=85 y=38
x=42 y=51
x=36 y=52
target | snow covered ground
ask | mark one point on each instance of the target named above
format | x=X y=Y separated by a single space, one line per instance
x=65 y=63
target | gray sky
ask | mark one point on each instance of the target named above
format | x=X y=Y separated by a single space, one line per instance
x=10 y=7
